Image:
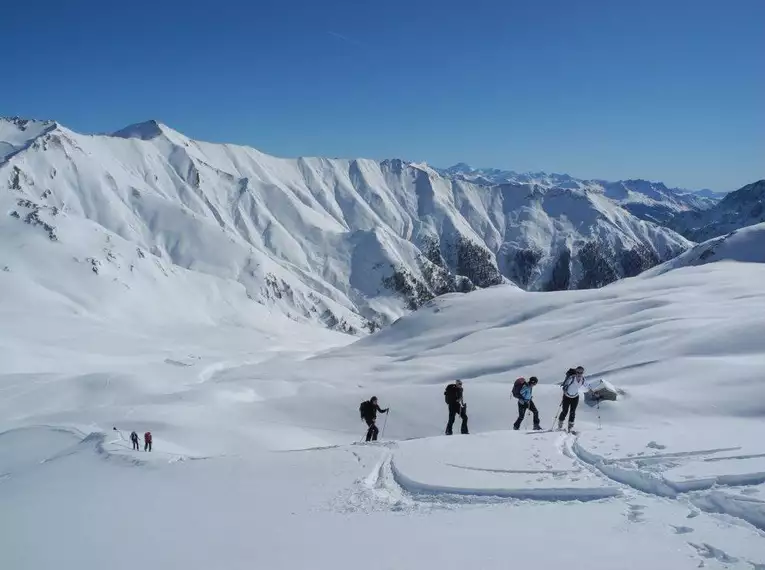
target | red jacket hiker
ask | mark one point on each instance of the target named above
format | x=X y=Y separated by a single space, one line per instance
x=147 y=441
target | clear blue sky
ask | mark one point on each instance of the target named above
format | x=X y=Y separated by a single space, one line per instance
x=666 y=90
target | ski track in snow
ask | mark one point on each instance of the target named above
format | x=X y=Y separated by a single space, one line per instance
x=386 y=487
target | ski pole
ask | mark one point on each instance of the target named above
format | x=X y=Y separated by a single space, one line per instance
x=555 y=417
x=600 y=426
x=385 y=423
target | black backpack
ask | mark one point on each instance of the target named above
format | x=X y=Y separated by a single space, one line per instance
x=365 y=409
x=450 y=394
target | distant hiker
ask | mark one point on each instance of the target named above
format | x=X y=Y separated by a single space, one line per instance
x=457 y=406
x=574 y=381
x=522 y=390
x=134 y=439
x=368 y=411
x=147 y=441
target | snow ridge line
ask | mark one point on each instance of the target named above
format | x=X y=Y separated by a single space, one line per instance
x=49 y=129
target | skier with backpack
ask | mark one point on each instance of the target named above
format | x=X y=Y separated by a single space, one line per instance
x=134 y=440
x=457 y=406
x=368 y=411
x=574 y=381
x=147 y=441
x=522 y=391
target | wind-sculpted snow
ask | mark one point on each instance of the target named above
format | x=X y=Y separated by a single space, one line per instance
x=349 y=244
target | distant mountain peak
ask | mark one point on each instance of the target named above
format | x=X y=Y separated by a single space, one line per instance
x=147 y=130
x=23 y=124
x=461 y=167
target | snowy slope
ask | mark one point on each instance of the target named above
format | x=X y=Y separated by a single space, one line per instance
x=256 y=461
x=744 y=207
x=350 y=244
x=652 y=201
x=744 y=245
x=16 y=134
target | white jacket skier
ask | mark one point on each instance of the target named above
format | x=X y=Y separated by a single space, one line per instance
x=573 y=383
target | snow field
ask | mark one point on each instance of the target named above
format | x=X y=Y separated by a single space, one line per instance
x=341 y=503
x=255 y=465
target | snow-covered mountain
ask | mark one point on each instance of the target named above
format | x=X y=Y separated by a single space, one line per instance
x=739 y=209
x=351 y=244
x=652 y=201
x=742 y=245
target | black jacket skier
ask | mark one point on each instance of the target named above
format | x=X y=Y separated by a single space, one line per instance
x=368 y=411
x=456 y=405
x=134 y=440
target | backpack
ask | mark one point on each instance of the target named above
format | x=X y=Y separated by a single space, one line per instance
x=365 y=409
x=517 y=385
x=450 y=394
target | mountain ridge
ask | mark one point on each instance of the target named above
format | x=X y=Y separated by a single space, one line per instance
x=741 y=208
x=348 y=243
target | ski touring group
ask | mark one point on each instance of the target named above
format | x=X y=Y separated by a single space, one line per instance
x=523 y=391
x=134 y=440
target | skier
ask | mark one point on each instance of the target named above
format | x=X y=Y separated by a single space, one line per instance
x=525 y=401
x=574 y=381
x=134 y=439
x=147 y=441
x=368 y=411
x=456 y=405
